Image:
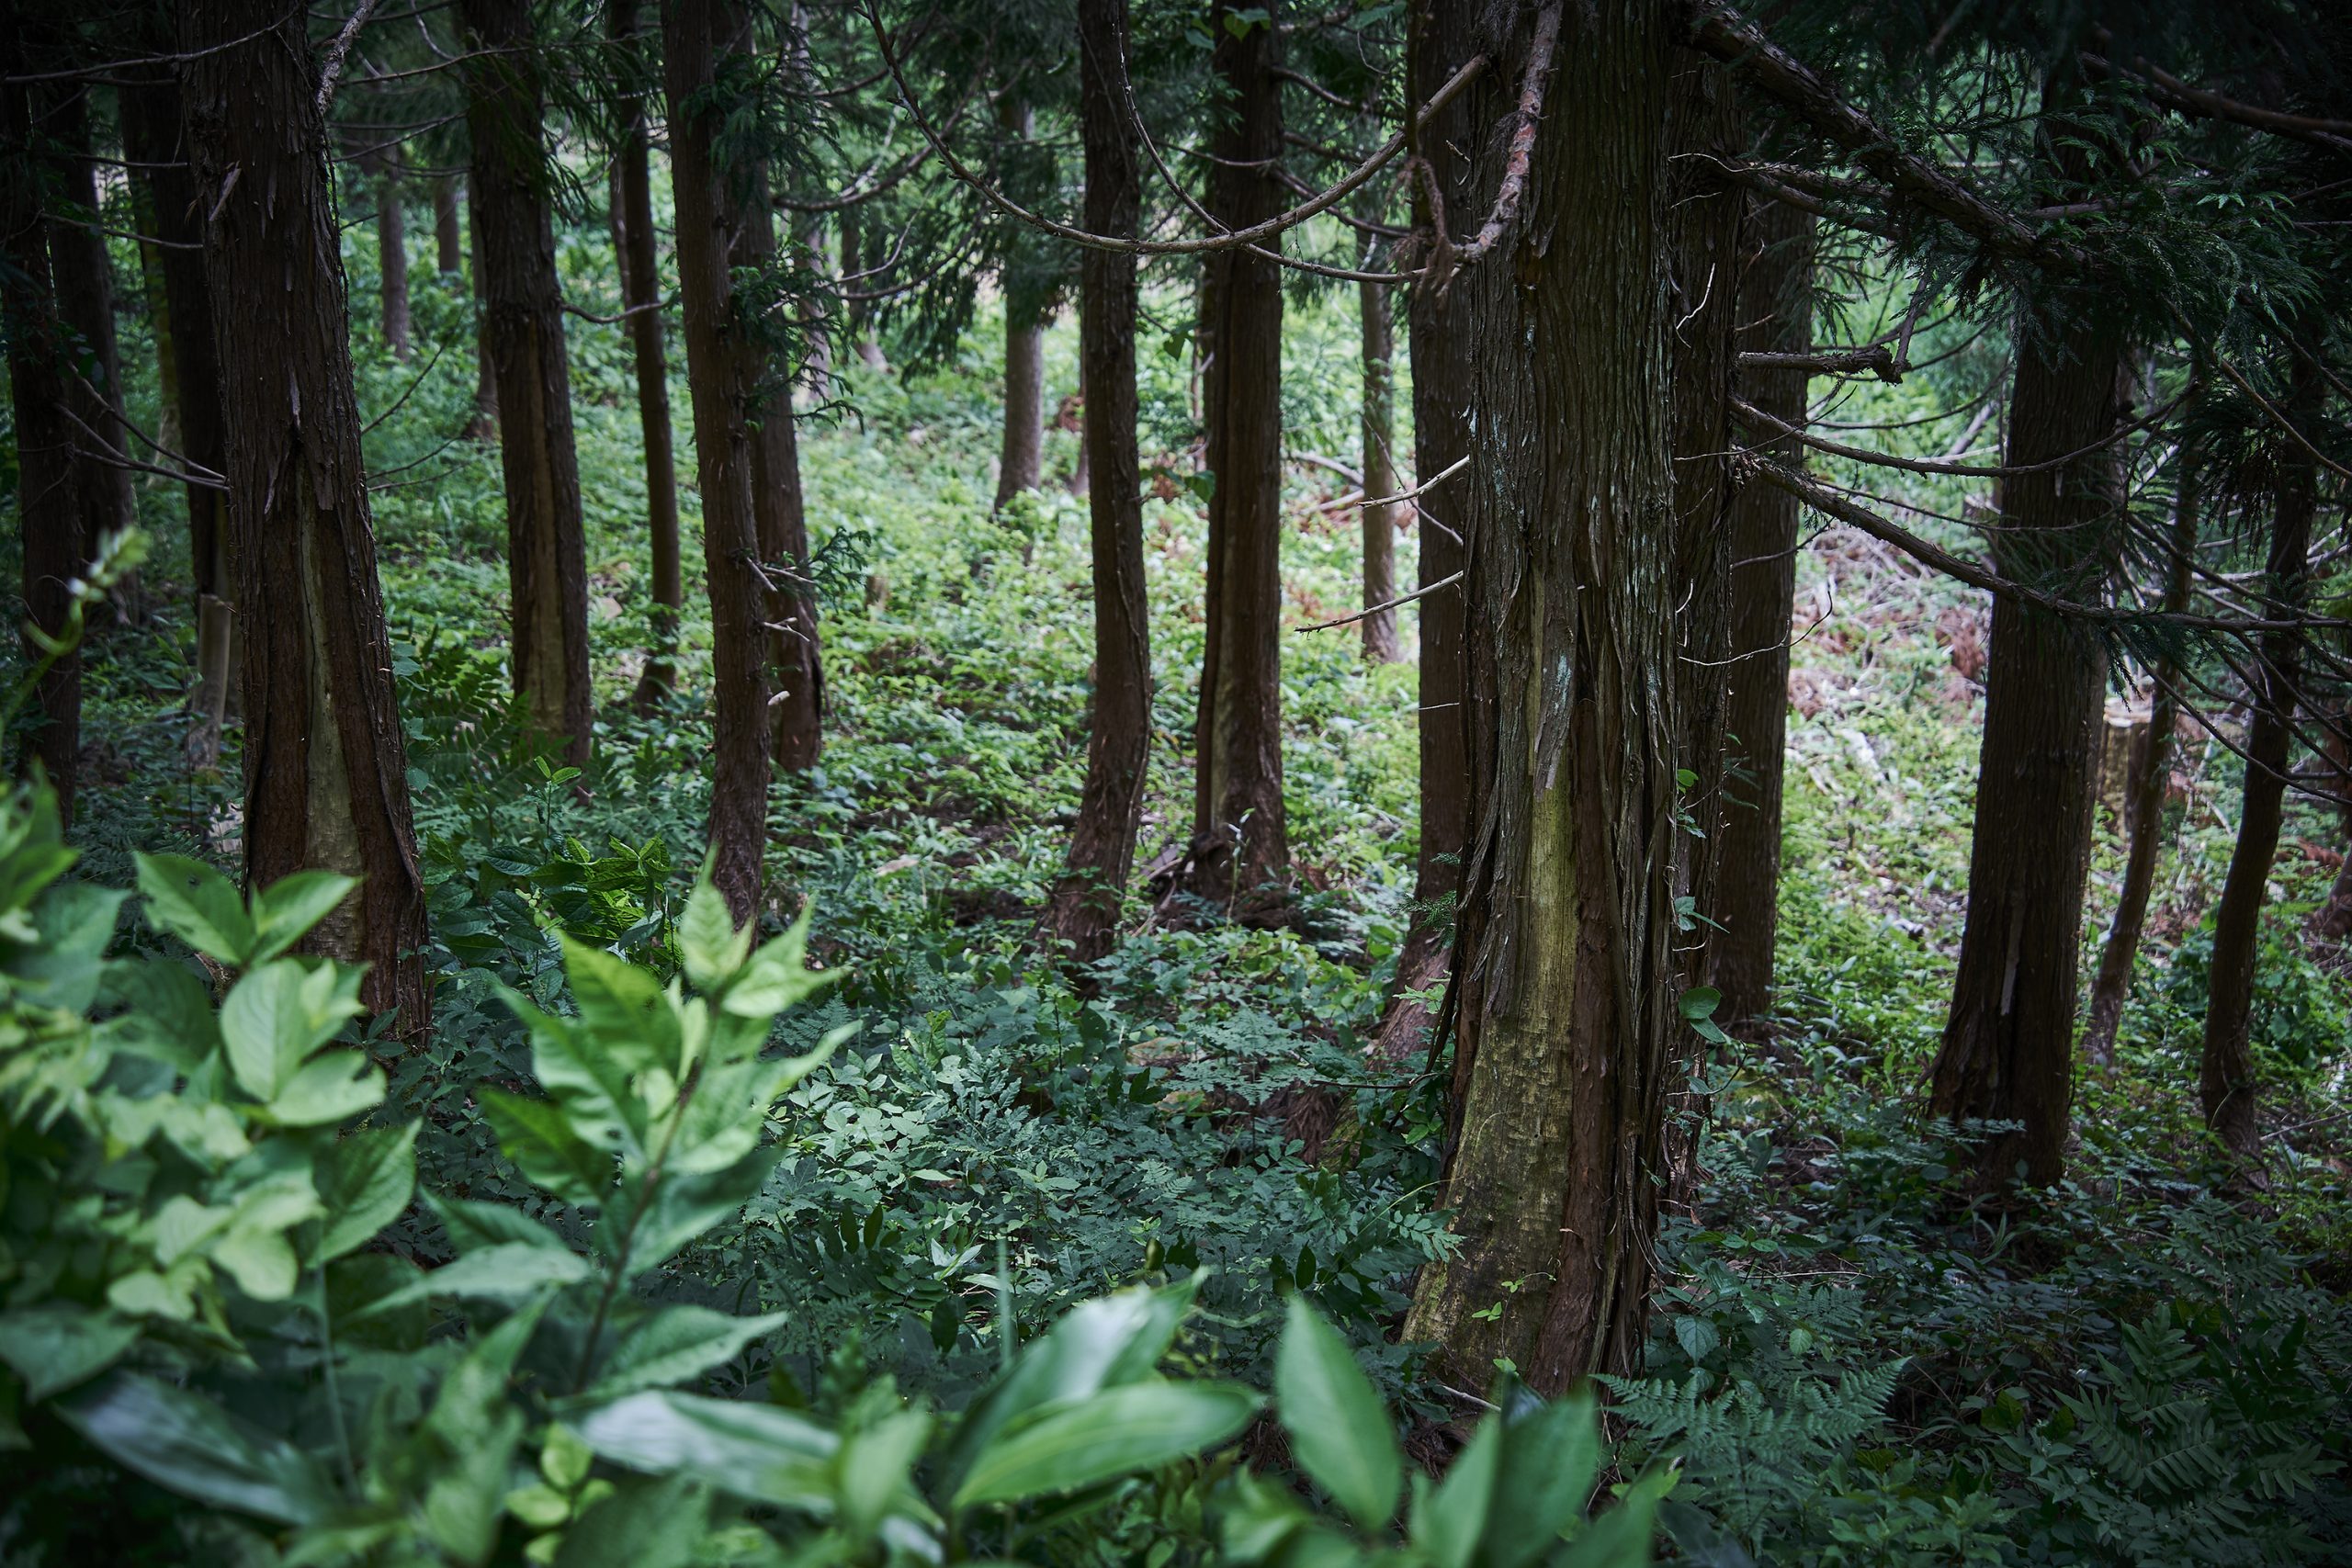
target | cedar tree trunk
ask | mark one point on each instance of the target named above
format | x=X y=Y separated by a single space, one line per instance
x=84 y=284
x=1240 y=850
x=484 y=424
x=327 y=768
x=1084 y=908
x=448 y=233
x=722 y=377
x=546 y=550
x=1378 y=425
x=1565 y=971
x=391 y=251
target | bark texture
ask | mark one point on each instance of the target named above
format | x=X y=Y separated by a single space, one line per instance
x=1775 y=316
x=391 y=253
x=1239 y=856
x=546 y=548
x=2145 y=800
x=2225 y=1080
x=327 y=768
x=85 y=283
x=722 y=377
x=2008 y=1050
x=1565 y=971
x=1084 y=908
x=49 y=511
x=634 y=239
x=1377 y=426
x=152 y=114
x=1021 y=457
x=449 y=230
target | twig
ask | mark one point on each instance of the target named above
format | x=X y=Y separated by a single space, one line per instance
x=1375 y=609
x=331 y=63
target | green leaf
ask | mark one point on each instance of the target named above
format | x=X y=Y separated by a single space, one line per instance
x=507 y=1272
x=186 y=1443
x=1621 y=1537
x=1549 y=1458
x=714 y=948
x=876 y=1467
x=778 y=976
x=328 y=1089
x=581 y=1074
x=1338 y=1430
x=1116 y=1432
x=169 y=1017
x=279 y=1015
x=675 y=1344
x=753 y=1450
x=285 y=911
x=539 y=1137
x=196 y=904
x=365 y=1181
x=1449 y=1522
x=59 y=1344
x=644 y=1524
x=623 y=1007
x=473 y=1224
x=688 y=1202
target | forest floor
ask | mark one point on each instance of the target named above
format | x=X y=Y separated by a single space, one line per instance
x=1098 y=1139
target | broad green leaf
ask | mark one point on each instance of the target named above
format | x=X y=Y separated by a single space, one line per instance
x=196 y=904
x=184 y=1442
x=279 y=1015
x=876 y=1467
x=778 y=976
x=1549 y=1458
x=1449 y=1521
x=1103 y=1343
x=539 y=1137
x=713 y=946
x=644 y=1524
x=675 y=1344
x=473 y=1224
x=327 y=1089
x=25 y=871
x=59 y=1344
x=285 y=911
x=1621 y=1537
x=757 y=1451
x=76 y=922
x=581 y=1073
x=622 y=1006
x=507 y=1272
x=254 y=1246
x=688 y=1202
x=365 y=1181
x=1121 y=1430
x=1338 y=1430
x=169 y=1017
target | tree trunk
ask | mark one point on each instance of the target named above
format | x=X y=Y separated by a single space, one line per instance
x=152 y=114
x=1021 y=458
x=84 y=284
x=2007 y=1052
x=1438 y=332
x=1084 y=908
x=391 y=253
x=1566 y=972
x=2226 y=1076
x=2144 y=801
x=2335 y=917
x=1378 y=425
x=722 y=377
x=158 y=310
x=483 y=426
x=634 y=238
x=49 y=509
x=448 y=234
x=327 y=768
x=1240 y=851
x=1775 y=316
x=546 y=549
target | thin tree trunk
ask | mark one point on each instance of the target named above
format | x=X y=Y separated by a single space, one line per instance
x=1083 y=910
x=160 y=325
x=326 y=767
x=1378 y=426
x=1240 y=849
x=391 y=253
x=484 y=424
x=2145 y=800
x=546 y=547
x=641 y=294
x=1021 y=457
x=1565 y=971
x=2007 y=1051
x=49 y=509
x=722 y=375
x=1081 y=472
x=857 y=315
x=1438 y=330
x=448 y=233
x=85 y=283
x=2225 y=1075
x=152 y=116
x=1775 y=315
x=2335 y=917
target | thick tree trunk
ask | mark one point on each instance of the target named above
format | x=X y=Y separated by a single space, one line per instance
x=2225 y=1075
x=1566 y=970
x=448 y=232
x=546 y=548
x=1021 y=458
x=1240 y=849
x=49 y=509
x=2007 y=1052
x=722 y=377
x=327 y=768
x=1775 y=316
x=634 y=238
x=1378 y=426
x=151 y=127
x=1438 y=331
x=2145 y=800
x=1084 y=908
x=84 y=284
x=391 y=253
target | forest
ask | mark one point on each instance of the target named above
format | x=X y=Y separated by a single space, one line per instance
x=1453 y=784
